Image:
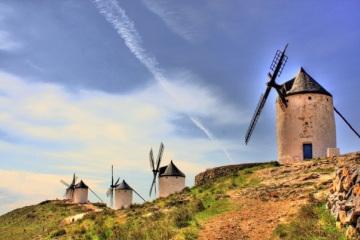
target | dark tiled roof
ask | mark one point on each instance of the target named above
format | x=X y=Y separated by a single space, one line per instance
x=81 y=184
x=171 y=170
x=162 y=170
x=123 y=186
x=303 y=83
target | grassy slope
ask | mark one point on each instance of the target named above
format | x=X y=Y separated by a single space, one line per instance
x=178 y=216
x=33 y=221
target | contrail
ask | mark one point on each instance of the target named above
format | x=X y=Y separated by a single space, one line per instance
x=125 y=27
x=210 y=136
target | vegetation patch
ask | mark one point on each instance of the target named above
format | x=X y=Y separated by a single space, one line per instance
x=313 y=222
x=179 y=216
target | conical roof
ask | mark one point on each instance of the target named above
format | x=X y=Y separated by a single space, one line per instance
x=171 y=170
x=81 y=184
x=123 y=186
x=304 y=83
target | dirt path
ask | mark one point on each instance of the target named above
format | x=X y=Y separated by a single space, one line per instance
x=89 y=207
x=282 y=192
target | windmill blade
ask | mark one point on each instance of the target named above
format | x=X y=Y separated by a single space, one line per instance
x=151 y=157
x=138 y=194
x=155 y=188
x=281 y=96
x=347 y=123
x=278 y=64
x=65 y=183
x=116 y=183
x=73 y=180
x=256 y=115
x=97 y=196
x=152 y=185
x=112 y=175
x=108 y=192
x=161 y=150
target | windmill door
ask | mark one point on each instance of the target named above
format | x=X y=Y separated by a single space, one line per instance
x=307 y=151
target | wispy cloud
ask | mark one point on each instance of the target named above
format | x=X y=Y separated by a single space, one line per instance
x=186 y=22
x=125 y=27
x=58 y=132
x=210 y=136
x=7 y=43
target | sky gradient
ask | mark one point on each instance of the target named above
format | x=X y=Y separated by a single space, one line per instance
x=87 y=84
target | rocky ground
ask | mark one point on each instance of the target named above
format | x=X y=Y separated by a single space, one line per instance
x=283 y=190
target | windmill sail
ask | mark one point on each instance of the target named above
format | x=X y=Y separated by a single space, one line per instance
x=156 y=169
x=138 y=194
x=113 y=185
x=347 y=123
x=277 y=66
x=97 y=196
x=69 y=192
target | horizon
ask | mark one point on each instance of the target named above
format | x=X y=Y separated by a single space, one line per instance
x=86 y=85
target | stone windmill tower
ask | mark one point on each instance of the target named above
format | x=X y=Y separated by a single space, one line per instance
x=81 y=191
x=306 y=127
x=123 y=195
x=305 y=123
x=78 y=192
x=170 y=178
x=122 y=191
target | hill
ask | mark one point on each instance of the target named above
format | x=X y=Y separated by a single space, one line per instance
x=263 y=201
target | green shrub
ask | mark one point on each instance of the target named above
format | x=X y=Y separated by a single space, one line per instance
x=182 y=217
x=58 y=233
x=313 y=221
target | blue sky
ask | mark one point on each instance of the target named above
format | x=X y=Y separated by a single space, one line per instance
x=87 y=84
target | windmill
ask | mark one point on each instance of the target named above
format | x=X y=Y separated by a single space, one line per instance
x=110 y=191
x=69 y=192
x=305 y=121
x=124 y=195
x=74 y=188
x=155 y=166
x=276 y=67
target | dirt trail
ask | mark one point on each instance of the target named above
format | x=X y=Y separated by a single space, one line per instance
x=283 y=190
x=89 y=208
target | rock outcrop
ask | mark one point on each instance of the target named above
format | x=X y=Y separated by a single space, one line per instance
x=344 y=198
x=210 y=175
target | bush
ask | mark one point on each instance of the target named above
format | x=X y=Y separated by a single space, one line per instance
x=58 y=233
x=182 y=216
x=313 y=221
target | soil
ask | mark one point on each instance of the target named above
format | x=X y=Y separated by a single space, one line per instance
x=283 y=190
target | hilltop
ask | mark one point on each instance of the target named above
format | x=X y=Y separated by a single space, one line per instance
x=262 y=201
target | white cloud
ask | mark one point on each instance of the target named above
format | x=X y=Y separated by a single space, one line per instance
x=125 y=27
x=56 y=131
x=185 y=21
x=7 y=43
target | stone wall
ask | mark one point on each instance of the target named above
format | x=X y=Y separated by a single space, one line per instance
x=212 y=174
x=344 y=198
